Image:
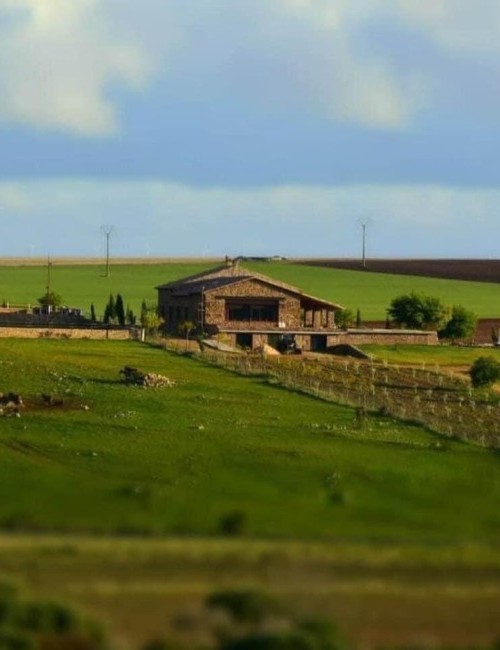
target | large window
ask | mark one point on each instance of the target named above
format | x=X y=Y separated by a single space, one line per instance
x=246 y=310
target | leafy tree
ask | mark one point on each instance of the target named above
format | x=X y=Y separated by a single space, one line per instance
x=417 y=311
x=461 y=325
x=185 y=329
x=92 y=313
x=150 y=319
x=344 y=318
x=120 y=310
x=50 y=299
x=485 y=371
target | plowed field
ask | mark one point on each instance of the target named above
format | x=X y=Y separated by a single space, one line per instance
x=474 y=270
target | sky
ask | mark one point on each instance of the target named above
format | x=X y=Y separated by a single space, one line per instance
x=250 y=127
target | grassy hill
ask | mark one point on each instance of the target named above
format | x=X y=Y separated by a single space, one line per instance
x=116 y=458
x=80 y=285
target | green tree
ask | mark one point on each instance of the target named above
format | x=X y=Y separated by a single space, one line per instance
x=130 y=317
x=150 y=319
x=51 y=299
x=344 y=318
x=417 y=311
x=485 y=371
x=461 y=325
x=110 y=310
x=359 y=320
x=92 y=313
x=185 y=329
x=120 y=310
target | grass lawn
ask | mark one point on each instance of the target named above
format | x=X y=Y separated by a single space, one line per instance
x=178 y=460
x=371 y=292
x=440 y=355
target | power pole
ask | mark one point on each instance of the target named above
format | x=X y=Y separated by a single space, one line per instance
x=364 y=223
x=107 y=231
x=48 y=306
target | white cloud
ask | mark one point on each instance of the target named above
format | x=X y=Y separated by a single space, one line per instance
x=460 y=26
x=64 y=217
x=57 y=61
x=60 y=59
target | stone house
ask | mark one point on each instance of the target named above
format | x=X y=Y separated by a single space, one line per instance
x=248 y=308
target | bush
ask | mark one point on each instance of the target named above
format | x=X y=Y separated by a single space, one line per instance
x=49 y=617
x=233 y=523
x=461 y=325
x=344 y=319
x=246 y=606
x=16 y=640
x=485 y=371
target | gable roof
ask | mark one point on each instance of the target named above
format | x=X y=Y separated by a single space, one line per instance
x=225 y=275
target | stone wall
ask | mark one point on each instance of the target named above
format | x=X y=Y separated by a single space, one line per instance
x=68 y=333
x=215 y=305
x=384 y=337
x=351 y=337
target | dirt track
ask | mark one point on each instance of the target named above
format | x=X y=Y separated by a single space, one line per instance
x=460 y=269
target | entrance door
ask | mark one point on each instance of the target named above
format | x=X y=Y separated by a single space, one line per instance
x=318 y=343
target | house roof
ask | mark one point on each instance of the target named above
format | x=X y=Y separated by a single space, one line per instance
x=222 y=276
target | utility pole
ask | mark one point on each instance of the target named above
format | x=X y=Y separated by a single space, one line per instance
x=48 y=306
x=364 y=223
x=107 y=231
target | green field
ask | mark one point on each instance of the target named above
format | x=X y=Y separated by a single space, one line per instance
x=370 y=292
x=390 y=529
x=178 y=460
x=430 y=356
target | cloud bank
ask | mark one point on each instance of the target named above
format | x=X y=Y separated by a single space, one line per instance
x=64 y=217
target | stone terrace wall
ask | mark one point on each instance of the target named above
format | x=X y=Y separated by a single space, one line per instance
x=67 y=333
x=385 y=337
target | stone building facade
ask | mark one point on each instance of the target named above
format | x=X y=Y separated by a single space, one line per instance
x=250 y=310
x=240 y=303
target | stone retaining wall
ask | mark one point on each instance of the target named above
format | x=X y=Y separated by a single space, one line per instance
x=68 y=333
x=305 y=340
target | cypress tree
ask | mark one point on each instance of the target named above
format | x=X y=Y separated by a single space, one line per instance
x=120 y=310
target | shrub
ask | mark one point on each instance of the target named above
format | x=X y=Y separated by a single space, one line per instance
x=246 y=606
x=233 y=523
x=485 y=371
x=16 y=640
x=461 y=325
x=49 y=617
x=344 y=318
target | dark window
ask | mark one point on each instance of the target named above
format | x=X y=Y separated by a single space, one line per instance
x=318 y=343
x=252 y=311
x=244 y=340
x=186 y=313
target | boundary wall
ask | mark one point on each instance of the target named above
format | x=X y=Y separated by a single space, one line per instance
x=93 y=333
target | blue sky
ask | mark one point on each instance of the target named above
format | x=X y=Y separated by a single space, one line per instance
x=256 y=127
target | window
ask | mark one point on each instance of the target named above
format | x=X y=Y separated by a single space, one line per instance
x=239 y=310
